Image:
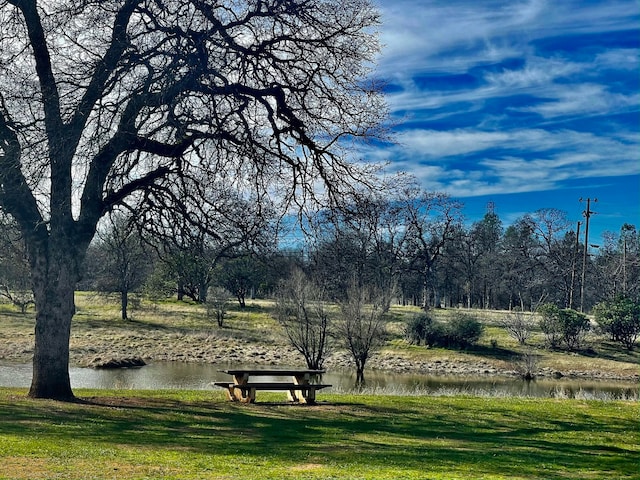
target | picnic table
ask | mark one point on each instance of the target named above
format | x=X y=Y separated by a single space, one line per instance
x=299 y=388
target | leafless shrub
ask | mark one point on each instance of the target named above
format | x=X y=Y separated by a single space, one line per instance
x=361 y=328
x=527 y=365
x=217 y=304
x=301 y=311
x=518 y=326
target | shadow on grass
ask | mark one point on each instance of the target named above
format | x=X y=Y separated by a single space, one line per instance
x=525 y=439
x=496 y=353
x=614 y=351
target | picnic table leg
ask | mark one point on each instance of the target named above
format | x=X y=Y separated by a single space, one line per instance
x=301 y=395
x=310 y=397
x=307 y=395
x=293 y=395
x=242 y=395
x=231 y=394
x=245 y=395
x=250 y=396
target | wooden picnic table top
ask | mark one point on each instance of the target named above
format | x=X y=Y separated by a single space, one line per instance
x=272 y=372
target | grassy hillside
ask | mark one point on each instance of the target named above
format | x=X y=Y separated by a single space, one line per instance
x=171 y=330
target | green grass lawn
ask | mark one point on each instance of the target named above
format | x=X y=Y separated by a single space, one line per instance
x=199 y=435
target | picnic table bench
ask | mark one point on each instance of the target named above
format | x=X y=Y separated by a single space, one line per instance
x=299 y=389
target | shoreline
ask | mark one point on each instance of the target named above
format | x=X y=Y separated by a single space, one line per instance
x=275 y=356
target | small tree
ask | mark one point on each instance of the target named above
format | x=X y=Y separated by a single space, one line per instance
x=620 y=319
x=518 y=326
x=119 y=262
x=301 y=312
x=527 y=364
x=550 y=324
x=575 y=326
x=18 y=298
x=218 y=303
x=418 y=328
x=565 y=326
x=361 y=328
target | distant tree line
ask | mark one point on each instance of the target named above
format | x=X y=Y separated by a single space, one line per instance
x=412 y=248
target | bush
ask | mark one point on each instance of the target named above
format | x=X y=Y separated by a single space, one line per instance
x=422 y=328
x=550 y=324
x=563 y=326
x=437 y=335
x=575 y=326
x=464 y=330
x=461 y=331
x=620 y=319
x=415 y=330
x=418 y=329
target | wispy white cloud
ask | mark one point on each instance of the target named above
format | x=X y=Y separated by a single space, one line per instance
x=537 y=72
x=552 y=158
x=434 y=35
x=618 y=59
x=564 y=88
x=584 y=99
x=434 y=144
x=514 y=98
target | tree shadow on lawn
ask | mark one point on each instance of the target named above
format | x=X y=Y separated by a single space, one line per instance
x=495 y=353
x=231 y=330
x=613 y=351
x=454 y=435
x=138 y=326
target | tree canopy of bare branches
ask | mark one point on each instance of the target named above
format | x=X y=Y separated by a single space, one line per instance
x=151 y=105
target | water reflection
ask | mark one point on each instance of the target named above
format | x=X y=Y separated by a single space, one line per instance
x=175 y=375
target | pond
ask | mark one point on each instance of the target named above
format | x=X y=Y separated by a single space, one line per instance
x=194 y=376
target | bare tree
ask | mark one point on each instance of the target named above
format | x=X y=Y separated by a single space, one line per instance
x=554 y=254
x=218 y=303
x=361 y=328
x=300 y=309
x=149 y=105
x=518 y=325
x=431 y=221
x=121 y=263
x=233 y=225
x=364 y=243
x=15 y=279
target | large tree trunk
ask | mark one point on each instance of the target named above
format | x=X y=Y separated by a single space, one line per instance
x=54 y=279
x=51 y=354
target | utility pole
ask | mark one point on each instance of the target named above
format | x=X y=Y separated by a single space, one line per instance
x=574 y=261
x=624 y=233
x=587 y=214
x=624 y=266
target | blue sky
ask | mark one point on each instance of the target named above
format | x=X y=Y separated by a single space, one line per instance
x=526 y=104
